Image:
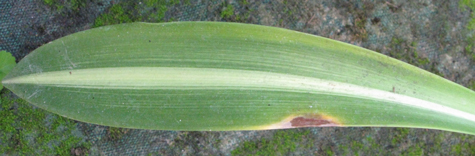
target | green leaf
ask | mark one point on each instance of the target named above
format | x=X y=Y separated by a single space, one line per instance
x=7 y=62
x=229 y=76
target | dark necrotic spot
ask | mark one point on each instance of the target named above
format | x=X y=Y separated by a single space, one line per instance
x=308 y=122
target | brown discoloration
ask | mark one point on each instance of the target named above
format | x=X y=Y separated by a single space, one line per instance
x=313 y=120
x=309 y=122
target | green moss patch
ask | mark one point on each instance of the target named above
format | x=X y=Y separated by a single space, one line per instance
x=239 y=12
x=132 y=11
x=470 y=6
x=115 y=133
x=228 y=11
x=27 y=130
x=74 y=5
x=282 y=143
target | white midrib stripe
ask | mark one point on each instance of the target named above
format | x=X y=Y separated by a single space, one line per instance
x=210 y=78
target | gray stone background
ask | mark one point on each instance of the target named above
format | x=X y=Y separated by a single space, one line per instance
x=431 y=34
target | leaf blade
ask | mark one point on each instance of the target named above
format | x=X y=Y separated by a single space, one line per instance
x=297 y=77
x=7 y=62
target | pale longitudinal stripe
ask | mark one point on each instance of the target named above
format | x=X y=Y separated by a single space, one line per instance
x=209 y=78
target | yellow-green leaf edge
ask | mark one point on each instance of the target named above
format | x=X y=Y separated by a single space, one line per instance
x=217 y=76
x=7 y=62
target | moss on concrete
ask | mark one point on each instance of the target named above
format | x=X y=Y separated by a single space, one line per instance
x=115 y=133
x=73 y=5
x=132 y=11
x=228 y=11
x=466 y=5
x=27 y=130
x=282 y=143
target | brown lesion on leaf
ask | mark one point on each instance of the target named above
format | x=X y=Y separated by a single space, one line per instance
x=308 y=120
x=313 y=120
